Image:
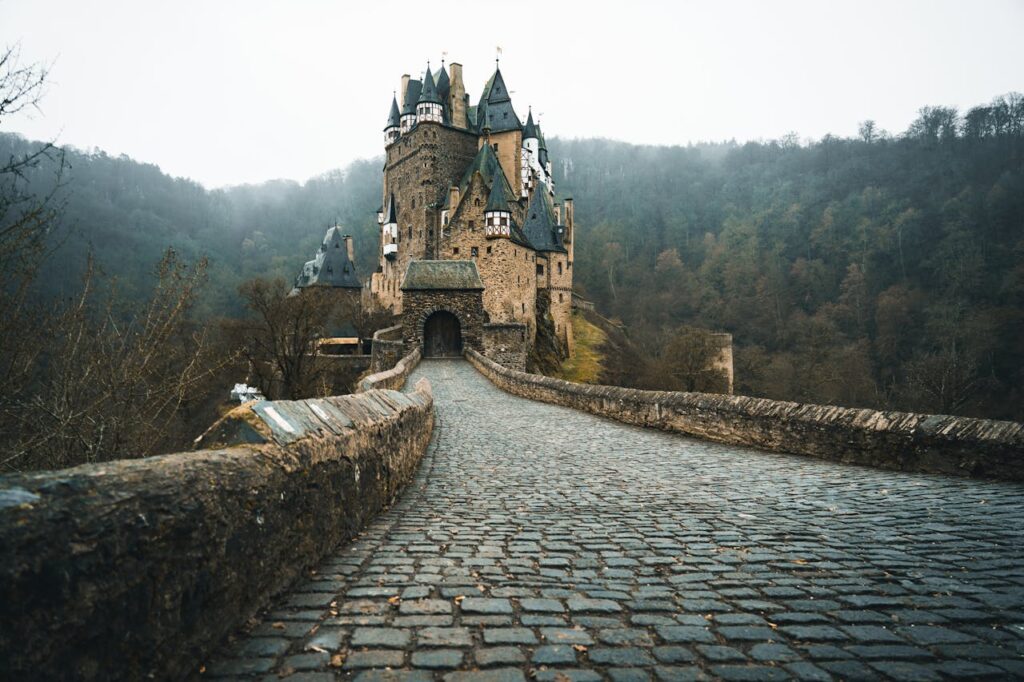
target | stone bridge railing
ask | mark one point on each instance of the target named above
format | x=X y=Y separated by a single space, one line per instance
x=890 y=440
x=393 y=378
x=138 y=568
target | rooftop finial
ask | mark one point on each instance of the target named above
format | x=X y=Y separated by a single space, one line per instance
x=497 y=55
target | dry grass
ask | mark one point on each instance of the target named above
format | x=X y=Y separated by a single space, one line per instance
x=585 y=367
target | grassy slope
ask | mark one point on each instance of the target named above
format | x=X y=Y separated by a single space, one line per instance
x=587 y=365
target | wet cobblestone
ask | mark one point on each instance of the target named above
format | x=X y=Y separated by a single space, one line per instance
x=541 y=542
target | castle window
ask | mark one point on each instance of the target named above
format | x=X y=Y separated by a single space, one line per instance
x=540 y=269
x=495 y=145
x=488 y=250
x=410 y=229
x=476 y=202
x=414 y=200
x=524 y=307
x=455 y=251
x=472 y=224
x=559 y=268
x=474 y=252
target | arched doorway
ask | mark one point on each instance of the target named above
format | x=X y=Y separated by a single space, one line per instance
x=442 y=335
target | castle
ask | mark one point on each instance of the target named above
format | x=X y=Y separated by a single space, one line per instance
x=468 y=205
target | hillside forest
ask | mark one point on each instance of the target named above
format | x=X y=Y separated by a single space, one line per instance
x=884 y=270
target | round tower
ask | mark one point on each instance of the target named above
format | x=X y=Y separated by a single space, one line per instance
x=429 y=108
x=497 y=217
x=391 y=130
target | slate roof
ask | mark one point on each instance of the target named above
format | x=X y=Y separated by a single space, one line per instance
x=541 y=227
x=394 y=115
x=331 y=267
x=497 y=200
x=412 y=95
x=442 y=274
x=428 y=93
x=486 y=163
x=530 y=130
x=443 y=83
x=499 y=115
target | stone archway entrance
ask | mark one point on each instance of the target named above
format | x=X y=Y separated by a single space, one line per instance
x=442 y=335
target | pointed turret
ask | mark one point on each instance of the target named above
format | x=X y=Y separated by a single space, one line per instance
x=530 y=131
x=497 y=216
x=428 y=107
x=412 y=96
x=500 y=114
x=391 y=130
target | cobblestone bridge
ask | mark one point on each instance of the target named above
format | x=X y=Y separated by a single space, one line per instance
x=539 y=541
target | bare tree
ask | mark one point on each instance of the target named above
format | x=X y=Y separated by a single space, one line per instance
x=279 y=341
x=111 y=380
x=27 y=222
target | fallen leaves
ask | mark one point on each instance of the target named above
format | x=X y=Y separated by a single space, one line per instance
x=337 y=660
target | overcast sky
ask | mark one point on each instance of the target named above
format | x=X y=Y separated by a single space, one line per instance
x=233 y=92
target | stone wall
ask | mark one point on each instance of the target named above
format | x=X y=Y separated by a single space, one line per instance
x=138 y=568
x=464 y=304
x=419 y=167
x=506 y=268
x=891 y=440
x=393 y=378
x=386 y=348
x=506 y=344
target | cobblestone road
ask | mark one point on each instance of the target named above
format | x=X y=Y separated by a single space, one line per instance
x=542 y=542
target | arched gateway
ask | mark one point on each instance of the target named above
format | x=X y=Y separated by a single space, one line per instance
x=442 y=335
x=442 y=307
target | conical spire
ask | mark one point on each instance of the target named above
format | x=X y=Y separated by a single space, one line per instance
x=429 y=92
x=531 y=129
x=443 y=84
x=394 y=116
x=497 y=200
x=482 y=117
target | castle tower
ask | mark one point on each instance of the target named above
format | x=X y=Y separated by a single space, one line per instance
x=428 y=107
x=410 y=96
x=391 y=130
x=497 y=216
x=506 y=132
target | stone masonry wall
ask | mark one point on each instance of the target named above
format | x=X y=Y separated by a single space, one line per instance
x=506 y=344
x=386 y=348
x=420 y=166
x=138 y=568
x=890 y=440
x=507 y=269
x=465 y=305
x=393 y=378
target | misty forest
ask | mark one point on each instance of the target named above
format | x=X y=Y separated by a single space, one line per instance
x=884 y=270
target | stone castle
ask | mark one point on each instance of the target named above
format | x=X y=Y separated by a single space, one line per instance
x=469 y=205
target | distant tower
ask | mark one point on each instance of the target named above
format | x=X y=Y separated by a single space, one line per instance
x=394 y=121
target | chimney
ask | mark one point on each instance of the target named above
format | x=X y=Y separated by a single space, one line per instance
x=558 y=214
x=405 y=89
x=457 y=96
x=568 y=213
x=453 y=199
x=348 y=248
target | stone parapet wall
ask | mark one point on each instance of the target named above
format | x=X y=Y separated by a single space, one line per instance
x=393 y=378
x=139 y=568
x=891 y=440
x=386 y=348
x=506 y=344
